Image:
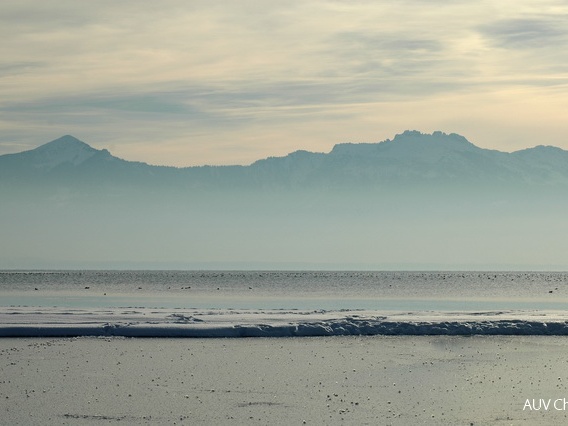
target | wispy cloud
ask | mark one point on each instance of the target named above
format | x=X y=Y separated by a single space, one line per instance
x=528 y=33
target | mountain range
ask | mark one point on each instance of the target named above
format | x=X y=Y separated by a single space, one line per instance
x=418 y=201
x=411 y=159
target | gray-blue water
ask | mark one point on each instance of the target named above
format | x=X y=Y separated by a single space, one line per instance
x=407 y=291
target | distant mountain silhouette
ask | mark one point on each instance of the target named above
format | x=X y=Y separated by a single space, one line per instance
x=434 y=200
x=66 y=150
x=411 y=159
x=70 y=162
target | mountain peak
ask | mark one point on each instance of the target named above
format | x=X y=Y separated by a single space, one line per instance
x=409 y=144
x=66 y=141
x=66 y=149
x=436 y=137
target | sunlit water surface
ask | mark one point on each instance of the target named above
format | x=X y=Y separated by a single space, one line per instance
x=406 y=291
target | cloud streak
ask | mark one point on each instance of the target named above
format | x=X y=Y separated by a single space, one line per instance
x=533 y=33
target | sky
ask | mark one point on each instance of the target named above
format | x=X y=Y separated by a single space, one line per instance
x=190 y=82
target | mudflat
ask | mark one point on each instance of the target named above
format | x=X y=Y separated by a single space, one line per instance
x=394 y=380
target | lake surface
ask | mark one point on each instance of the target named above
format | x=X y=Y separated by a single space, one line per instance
x=326 y=290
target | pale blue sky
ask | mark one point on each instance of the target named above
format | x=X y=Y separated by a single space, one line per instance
x=227 y=82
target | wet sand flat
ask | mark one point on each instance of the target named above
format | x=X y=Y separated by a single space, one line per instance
x=479 y=380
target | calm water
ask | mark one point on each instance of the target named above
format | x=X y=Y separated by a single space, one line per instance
x=437 y=291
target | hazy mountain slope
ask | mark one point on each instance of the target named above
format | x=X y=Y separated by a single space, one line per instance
x=416 y=160
x=547 y=165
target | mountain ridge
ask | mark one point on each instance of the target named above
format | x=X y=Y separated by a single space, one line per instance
x=411 y=158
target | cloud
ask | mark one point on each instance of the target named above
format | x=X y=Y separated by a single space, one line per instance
x=528 y=33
